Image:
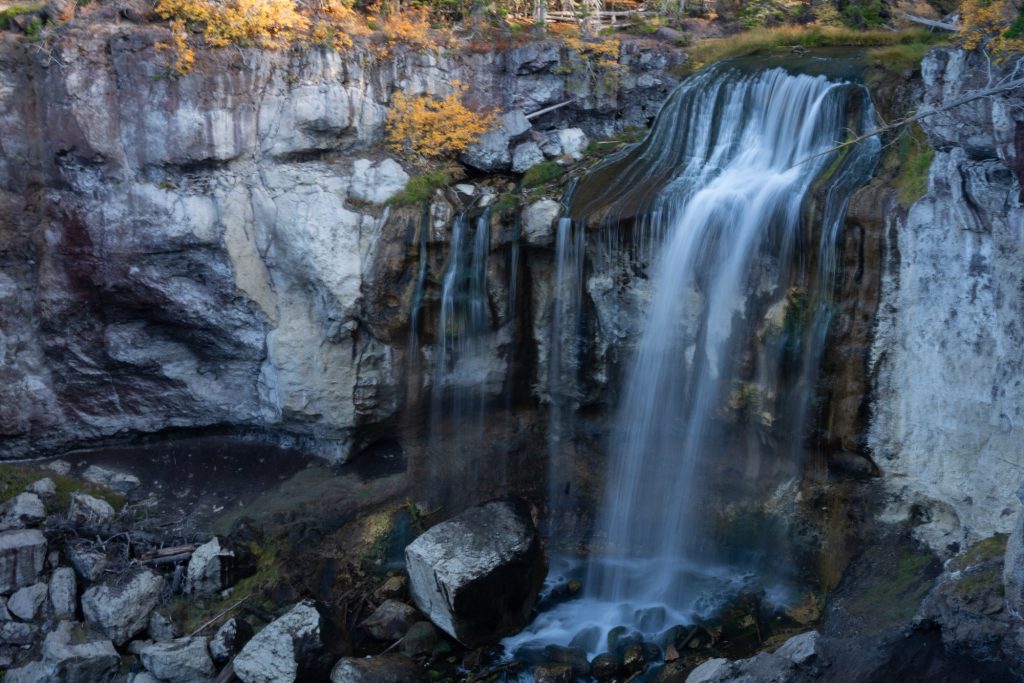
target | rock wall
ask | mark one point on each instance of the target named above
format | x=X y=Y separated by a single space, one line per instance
x=948 y=355
x=205 y=251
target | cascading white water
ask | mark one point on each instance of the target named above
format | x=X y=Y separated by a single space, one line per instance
x=716 y=195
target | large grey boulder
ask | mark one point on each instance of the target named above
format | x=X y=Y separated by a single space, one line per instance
x=89 y=510
x=526 y=156
x=44 y=488
x=388 y=668
x=292 y=646
x=73 y=654
x=491 y=152
x=22 y=553
x=25 y=509
x=538 y=221
x=377 y=183
x=120 y=607
x=477 y=575
x=26 y=602
x=206 y=568
x=185 y=660
x=17 y=633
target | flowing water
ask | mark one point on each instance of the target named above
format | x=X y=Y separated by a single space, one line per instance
x=712 y=415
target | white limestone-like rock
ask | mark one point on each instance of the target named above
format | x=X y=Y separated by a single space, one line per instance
x=73 y=653
x=377 y=183
x=573 y=142
x=63 y=590
x=122 y=482
x=185 y=660
x=22 y=553
x=44 y=488
x=89 y=510
x=539 y=220
x=26 y=602
x=525 y=156
x=120 y=608
x=287 y=646
x=229 y=639
x=25 y=509
x=477 y=575
x=205 y=573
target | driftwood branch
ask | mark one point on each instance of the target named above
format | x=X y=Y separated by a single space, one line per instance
x=553 y=107
x=218 y=615
x=969 y=97
x=931 y=23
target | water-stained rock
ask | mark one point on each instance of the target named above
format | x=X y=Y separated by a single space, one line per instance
x=119 y=608
x=22 y=553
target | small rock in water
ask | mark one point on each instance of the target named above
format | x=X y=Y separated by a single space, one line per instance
x=387 y=668
x=122 y=482
x=633 y=658
x=553 y=673
x=24 y=510
x=185 y=660
x=605 y=667
x=89 y=510
x=671 y=654
x=26 y=602
x=575 y=657
x=390 y=621
x=229 y=640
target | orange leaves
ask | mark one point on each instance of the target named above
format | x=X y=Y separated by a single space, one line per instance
x=423 y=127
x=985 y=23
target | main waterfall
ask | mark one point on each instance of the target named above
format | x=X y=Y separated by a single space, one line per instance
x=718 y=205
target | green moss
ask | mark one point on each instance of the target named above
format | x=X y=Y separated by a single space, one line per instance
x=542 y=173
x=422 y=187
x=899 y=57
x=506 y=202
x=17 y=10
x=983 y=551
x=15 y=478
x=896 y=596
x=915 y=160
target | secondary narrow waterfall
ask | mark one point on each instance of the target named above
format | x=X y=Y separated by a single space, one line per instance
x=713 y=412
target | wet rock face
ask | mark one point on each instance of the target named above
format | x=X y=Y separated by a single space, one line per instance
x=949 y=400
x=477 y=575
x=180 y=253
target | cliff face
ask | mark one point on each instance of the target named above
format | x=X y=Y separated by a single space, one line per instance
x=205 y=251
x=948 y=356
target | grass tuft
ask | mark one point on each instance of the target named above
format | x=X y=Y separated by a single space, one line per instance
x=542 y=173
x=422 y=187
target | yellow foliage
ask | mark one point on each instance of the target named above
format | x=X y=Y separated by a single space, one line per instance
x=270 y=24
x=183 y=56
x=409 y=27
x=425 y=127
x=338 y=25
x=984 y=23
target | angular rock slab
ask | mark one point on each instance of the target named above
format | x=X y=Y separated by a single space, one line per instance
x=120 y=609
x=71 y=653
x=185 y=660
x=290 y=648
x=22 y=553
x=387 y=668
x=477 y=575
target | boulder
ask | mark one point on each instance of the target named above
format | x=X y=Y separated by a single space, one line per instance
x=551 y=146
x=490 y=153
x=390 y=621
x=477 y=575
x=122 y=482
x=377 y=183
x=26 y=602
x=292 y=646
x=73 y=653
x=538 y=220
x=207 y=568
x=573 y=142
x=422 y=638
x=61 y=467
x=44 y=488
x=63 y=591
x=119 y=609
x=229 y=640
x=605 y=667
x=89 y=511
x=387 y=668
x=185 y=660
x=525 y=156
x=25 y=509
x=22 y=553
x=395 y=588
x=712 y=671
x=802 y=649
x=17 y=633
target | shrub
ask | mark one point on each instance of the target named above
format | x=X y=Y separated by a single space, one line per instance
x=422 y=127
x=992 y=24
x=421 y=188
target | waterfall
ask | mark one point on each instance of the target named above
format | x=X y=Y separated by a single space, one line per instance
x=713 y=410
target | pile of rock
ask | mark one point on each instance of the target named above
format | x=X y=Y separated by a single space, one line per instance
x=514 y=145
